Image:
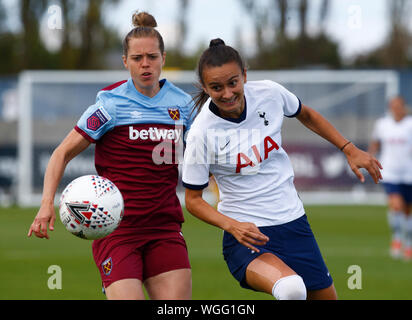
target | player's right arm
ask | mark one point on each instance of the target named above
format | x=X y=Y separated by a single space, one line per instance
x=70 y=147
x=375 y=142
x=195 y=178
x=374 y=147
x=245 y=233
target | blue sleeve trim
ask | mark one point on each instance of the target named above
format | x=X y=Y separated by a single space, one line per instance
x=195 y=186
x=297 y=112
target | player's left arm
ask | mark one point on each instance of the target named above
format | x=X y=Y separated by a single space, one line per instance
x=356 y=158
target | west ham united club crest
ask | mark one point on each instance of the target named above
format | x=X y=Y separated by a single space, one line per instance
x=107 y=266
x=174 y=113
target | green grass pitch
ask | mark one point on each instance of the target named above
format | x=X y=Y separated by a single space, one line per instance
x=347 y=235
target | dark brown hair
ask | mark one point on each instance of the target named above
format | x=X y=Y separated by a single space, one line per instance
x=145 y=25
x=216 y=55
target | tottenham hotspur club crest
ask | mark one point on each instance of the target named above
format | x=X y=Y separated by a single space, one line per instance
x=263 y=115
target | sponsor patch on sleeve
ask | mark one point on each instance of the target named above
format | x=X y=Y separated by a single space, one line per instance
x=97 y=119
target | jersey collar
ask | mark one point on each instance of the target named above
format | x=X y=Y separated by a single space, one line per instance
x=163 y=89
x=214 y=109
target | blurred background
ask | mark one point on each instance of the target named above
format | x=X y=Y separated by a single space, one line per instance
x=342 y=58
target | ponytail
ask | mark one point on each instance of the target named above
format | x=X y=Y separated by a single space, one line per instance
x=216 y=55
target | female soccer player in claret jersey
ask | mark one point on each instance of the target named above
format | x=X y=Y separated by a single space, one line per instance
x=268 y=244
x=137 y=126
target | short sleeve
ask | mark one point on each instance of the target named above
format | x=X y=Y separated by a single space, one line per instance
x=376 y=131
x=195 y=170
x=97 y=120
x=291 y=103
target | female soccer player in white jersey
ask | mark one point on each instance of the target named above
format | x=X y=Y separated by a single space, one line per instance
x=128 y=122
x=392 y=138
x=267 y=244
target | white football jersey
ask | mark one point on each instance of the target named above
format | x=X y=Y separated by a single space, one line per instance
x=245 y=155
x=396 y=148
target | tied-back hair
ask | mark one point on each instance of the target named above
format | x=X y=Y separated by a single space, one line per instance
x=216 y=55
x=144 y=27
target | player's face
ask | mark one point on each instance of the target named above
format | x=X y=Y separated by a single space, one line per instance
x=397 y=108
x=225 y=85
x=144 y=62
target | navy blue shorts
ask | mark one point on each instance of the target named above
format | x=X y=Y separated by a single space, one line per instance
x=405 y=190
x=293 y=242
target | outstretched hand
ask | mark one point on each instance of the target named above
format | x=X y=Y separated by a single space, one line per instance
x=360 y=159
x=44 y=218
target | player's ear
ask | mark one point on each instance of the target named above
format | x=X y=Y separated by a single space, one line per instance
x=205 y=90
x=124 y=58
x=164 y=58
x=244 y=75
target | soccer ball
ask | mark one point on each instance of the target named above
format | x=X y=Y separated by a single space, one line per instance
x=91 y=207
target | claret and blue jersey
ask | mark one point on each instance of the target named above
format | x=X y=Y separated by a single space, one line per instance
x=138 y=144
